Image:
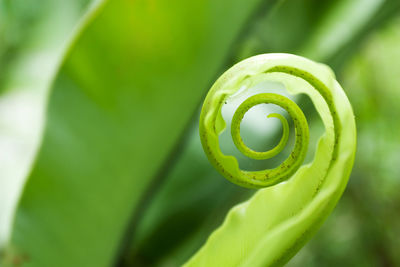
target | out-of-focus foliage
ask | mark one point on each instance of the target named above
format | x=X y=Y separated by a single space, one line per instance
x=33 y=39
x=174 y=219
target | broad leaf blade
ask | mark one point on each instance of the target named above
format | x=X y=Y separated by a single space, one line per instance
x=123 y=96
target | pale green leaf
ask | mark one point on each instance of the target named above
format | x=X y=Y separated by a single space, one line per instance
x=272 y=226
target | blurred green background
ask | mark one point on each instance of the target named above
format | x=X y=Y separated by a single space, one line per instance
x=68 y=72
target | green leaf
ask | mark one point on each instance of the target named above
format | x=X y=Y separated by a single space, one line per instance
x=127 y=88
x=327 y=31
x=33 y=38
x=342 y=29
x=276 y=222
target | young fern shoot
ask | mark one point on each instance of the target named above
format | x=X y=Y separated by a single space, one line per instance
x=276 y=222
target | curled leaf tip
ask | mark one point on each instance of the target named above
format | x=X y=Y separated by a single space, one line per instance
x=269 y=228
x=232 y=83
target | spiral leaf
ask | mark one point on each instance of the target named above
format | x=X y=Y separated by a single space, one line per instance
x=237 y=118
x=295 y=159
x=276 y=222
